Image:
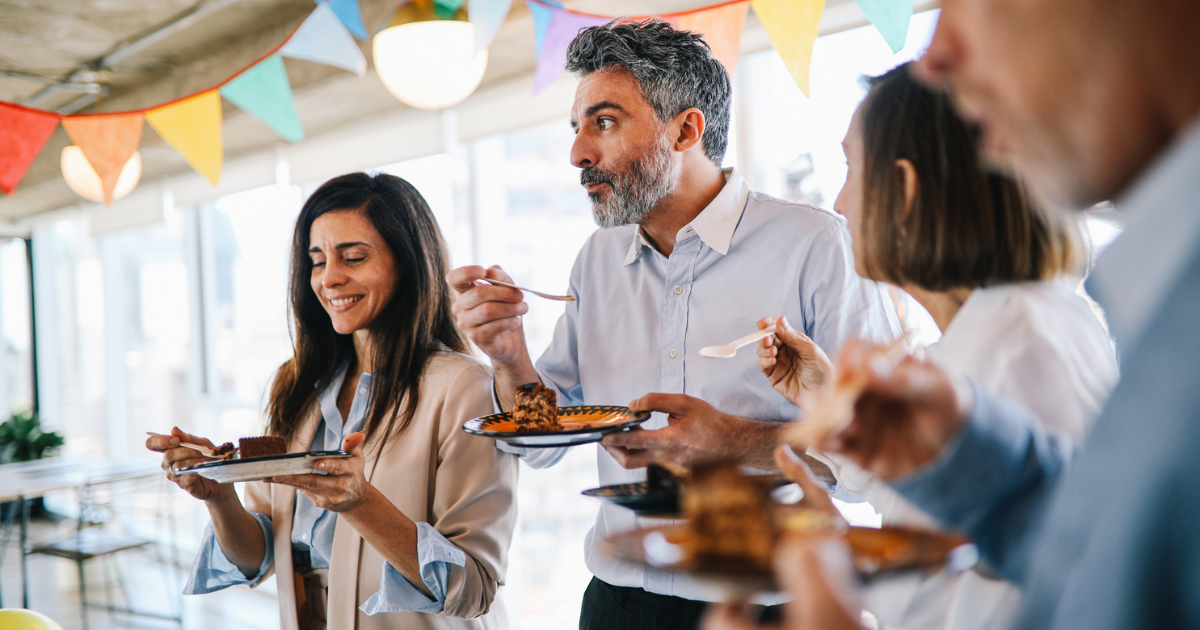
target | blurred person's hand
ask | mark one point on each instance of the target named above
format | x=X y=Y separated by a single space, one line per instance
x=490 y=316
x=905 y=415
x=176 y=457
x=792 y=362
x=339 y=485
x=795 y=468
x=818 y=574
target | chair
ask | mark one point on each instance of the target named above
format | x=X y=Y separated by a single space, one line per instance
x=90 y=541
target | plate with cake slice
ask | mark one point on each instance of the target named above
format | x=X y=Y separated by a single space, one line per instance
x=537 y=421
x=256 y=458
x=732 y=525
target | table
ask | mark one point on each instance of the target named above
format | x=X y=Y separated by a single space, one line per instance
x=30 y=480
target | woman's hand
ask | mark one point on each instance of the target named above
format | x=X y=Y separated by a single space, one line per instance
x=792 y=362
x=176 y=456
x=342 y=487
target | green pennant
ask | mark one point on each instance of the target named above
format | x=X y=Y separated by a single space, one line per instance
x=264 y=92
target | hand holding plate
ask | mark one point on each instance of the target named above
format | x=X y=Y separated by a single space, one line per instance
x=338 y=485
x=176 y=457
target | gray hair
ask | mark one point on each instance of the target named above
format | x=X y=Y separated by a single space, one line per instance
x=675 y=70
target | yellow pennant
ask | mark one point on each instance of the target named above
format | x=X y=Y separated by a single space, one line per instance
x=792 y=27
x=193 y=127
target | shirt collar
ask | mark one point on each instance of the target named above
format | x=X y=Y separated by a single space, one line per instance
x=1162 y=227
x=714 y=225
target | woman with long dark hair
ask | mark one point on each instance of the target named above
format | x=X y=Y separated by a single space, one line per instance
x=380 y=370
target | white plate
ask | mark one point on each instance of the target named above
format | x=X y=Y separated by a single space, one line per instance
x=255 y=468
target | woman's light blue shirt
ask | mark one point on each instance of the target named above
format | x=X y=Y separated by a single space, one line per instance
x=313 y=527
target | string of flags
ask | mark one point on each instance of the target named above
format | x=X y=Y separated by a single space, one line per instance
x=192 y=124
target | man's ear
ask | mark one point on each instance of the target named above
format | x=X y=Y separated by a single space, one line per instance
x=690 y=125
x=910 y=185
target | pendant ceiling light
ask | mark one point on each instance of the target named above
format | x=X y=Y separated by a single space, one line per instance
x=426 y=61
x=82 y=178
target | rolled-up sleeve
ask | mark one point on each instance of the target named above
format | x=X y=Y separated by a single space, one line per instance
x=435 y=555
x=213 y=570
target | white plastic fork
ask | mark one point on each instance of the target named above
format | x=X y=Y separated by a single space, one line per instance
x=204 y=450
x=728 y=350
x=548 y=296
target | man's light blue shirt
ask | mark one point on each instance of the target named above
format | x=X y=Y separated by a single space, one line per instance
x=313 y=529
x=641 y=318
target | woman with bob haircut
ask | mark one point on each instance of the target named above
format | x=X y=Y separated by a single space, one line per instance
x=413 y=530
x=997 y=275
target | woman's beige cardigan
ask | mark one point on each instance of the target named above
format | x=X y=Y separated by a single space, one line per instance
x=433 y=472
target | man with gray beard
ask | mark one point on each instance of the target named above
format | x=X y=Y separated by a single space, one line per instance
x=688 y=257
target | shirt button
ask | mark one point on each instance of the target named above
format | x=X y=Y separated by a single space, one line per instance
x=678 y=289
x=303 y=536
x=362 y=390
x=674 y=353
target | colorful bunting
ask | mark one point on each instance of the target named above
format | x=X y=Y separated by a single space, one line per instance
x=563 y=28
x=107 y=141
x=792 y=27
x=24 y=132
x=193 y=127
x=541 y=21
x=890 y=18
x=487 y=16
x=722 y=30
x=264 y=91
x=323 y=39
x=349 y=14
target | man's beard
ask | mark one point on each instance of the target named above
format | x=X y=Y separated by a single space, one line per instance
x=635 y=189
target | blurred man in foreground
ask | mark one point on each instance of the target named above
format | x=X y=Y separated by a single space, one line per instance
x=1090 y=100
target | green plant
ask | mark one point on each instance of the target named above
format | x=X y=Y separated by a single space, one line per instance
x=22 y=439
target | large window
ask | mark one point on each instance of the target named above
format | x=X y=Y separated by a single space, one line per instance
x=16 y=367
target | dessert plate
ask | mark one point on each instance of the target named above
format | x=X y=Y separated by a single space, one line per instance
x=583 y=425
x=254 y=468
x=645 y=500
x=874 y=552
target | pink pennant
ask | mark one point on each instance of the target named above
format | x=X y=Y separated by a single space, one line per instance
x=563 y=28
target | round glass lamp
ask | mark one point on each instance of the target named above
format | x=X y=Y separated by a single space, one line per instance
x=430 y=64
x=82 y=178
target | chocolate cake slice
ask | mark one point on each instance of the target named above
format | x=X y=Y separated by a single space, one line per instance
x=225 y=451
x=536 y=409
x=261 y=446
x=731 y=517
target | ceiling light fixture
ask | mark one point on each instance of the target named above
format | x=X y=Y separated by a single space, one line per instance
x=82 y=178
x=428 y=62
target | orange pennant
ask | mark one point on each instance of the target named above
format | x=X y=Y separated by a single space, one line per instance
x=107 y=141
x=721 y=28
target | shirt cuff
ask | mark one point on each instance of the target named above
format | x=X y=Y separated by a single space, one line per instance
x=213 y=570
x=435 y=554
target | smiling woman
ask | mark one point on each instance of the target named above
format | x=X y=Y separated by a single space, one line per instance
x=380 y=370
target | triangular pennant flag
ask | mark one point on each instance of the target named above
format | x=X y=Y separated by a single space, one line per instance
x=792 y=27
x=890 y=18
x=264 y=92
x=107 y=141
x=323 y=39
x=487 y=16
x=23 y=133
x=722 y=29
x=193 y=127
x=541 y=21
x=552 y=56
x=348 y=14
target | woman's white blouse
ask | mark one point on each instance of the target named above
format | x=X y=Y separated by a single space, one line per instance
x=1040 y=345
